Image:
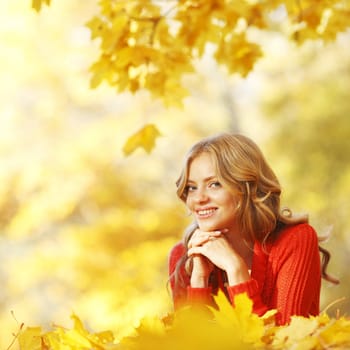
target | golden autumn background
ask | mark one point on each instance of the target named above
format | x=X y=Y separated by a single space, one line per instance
x=86 y=229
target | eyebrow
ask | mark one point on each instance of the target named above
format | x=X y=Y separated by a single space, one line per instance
x=205 y=179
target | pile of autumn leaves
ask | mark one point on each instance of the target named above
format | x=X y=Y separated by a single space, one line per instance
x=204 y=329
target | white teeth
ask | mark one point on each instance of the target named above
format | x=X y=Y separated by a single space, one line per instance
x=206 y=211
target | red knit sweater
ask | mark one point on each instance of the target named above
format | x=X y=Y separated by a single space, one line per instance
x=285 y=276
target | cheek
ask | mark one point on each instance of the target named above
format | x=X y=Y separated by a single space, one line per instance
x=188 y=202
x=232 y=203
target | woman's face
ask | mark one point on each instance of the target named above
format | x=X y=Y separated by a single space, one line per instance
x=211 y=203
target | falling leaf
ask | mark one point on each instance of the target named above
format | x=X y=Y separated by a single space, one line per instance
x=37 y=4
x=144 y=138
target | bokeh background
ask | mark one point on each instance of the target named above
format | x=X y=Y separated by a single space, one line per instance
x=85 y=229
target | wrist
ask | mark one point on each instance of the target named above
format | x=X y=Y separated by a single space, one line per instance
x=237 y=274
x=199 y=281
x=237 y=277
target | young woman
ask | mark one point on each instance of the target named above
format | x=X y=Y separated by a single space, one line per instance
x=241 y=241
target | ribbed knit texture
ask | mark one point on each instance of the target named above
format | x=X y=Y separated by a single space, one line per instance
x=285 y=275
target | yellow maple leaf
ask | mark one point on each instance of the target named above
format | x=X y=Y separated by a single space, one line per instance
x=299 y=330
x=78 y=337
x=174 y=94
x=144 y=138
x=337 y=22
x=269 y=316
x=240 y=317
x=30 y=339
x=96 y=26
x=151 y=325
x=238 y=54
x=195 y=327
x=37 y=4
x=337 y=333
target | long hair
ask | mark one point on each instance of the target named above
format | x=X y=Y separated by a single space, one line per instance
x=242 y=167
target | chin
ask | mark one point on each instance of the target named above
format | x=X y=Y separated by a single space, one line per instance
x=207 y=226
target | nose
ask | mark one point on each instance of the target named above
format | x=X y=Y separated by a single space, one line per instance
x=201 y=195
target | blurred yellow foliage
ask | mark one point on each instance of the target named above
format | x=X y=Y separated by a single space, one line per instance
x=200 y=328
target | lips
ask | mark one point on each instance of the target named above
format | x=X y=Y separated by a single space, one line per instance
x=205 y=212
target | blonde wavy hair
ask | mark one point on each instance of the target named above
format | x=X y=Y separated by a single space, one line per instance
x=242 y=167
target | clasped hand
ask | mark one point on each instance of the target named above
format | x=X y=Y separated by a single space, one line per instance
x=209 y=249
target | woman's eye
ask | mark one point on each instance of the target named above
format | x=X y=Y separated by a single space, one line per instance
x=190 y=188
x=215 y=184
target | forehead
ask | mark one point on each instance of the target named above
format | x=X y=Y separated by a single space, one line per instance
x=202 y=166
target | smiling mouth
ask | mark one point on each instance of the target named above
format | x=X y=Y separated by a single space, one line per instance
x=205 y=213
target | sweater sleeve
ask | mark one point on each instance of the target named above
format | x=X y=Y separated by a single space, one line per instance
x=296 y=262
x=251 y=288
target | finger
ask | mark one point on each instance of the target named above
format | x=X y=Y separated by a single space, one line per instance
x=199 y=240
x=199 y=233
x=194 y=251
x=215 y=233
x=200 y=237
